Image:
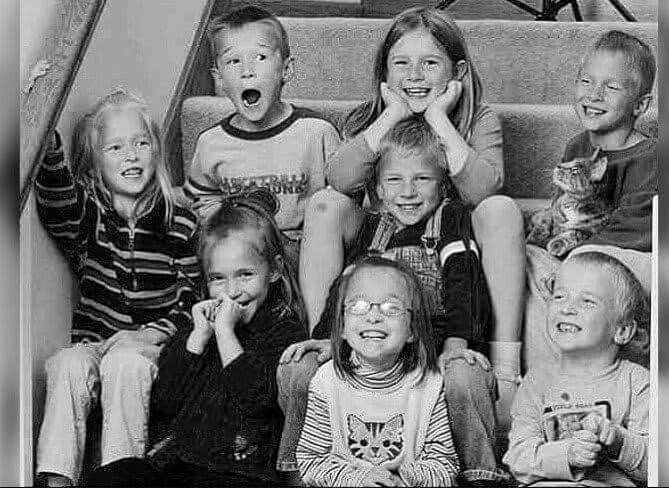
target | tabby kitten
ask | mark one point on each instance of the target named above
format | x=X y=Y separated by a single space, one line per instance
x=579 y=207
x=375 y=442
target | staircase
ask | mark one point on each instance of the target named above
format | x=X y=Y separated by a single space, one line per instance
x=527 y=68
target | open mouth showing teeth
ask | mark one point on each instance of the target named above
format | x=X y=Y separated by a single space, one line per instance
x=132 y=173
x=563 y=327
x=417 y=92
x=593 y=111
x=373 y=334
x=250 y=97
x=409 y=207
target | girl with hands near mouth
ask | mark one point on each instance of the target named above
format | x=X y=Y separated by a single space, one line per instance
x=217 y=379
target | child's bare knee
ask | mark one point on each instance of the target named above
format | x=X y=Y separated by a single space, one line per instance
x=498 y=212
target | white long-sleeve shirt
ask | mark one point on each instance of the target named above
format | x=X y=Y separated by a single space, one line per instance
x=549 y=401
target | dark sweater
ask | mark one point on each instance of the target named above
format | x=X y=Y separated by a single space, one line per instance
x=631 y=182
x=465 y=302
x=128 y=277
x=219 y=412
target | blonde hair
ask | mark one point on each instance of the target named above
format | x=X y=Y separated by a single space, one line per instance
x=86 y=152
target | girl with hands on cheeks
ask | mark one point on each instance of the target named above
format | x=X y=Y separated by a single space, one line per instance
x=217 y=378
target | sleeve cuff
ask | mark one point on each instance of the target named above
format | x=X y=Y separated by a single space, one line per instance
x=554 y=463
x=632 y=451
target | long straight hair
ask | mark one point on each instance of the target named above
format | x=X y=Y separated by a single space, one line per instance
x=86 y=153
x=450 y=38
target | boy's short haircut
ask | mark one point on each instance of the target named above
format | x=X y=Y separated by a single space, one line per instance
x=247 y=15
x=639 y=56
x=631 y=300
x=412 y=135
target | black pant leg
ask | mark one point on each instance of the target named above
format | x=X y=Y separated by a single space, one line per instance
x=126 y=472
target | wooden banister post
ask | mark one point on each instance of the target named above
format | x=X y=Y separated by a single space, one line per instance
x=43 y=98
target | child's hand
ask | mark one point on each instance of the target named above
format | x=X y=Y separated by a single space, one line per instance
x=455 y=348
x=294 y=352
x=381 y=477
x=228 y=313
x=204 y=313
x=444 y=103
x=395 y=104
x=52 y=143
x=583 y=449
x=607 y=433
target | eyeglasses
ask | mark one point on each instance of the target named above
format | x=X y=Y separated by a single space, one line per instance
x=387 y=308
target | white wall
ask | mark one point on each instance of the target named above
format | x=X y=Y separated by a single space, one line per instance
x=142 y=45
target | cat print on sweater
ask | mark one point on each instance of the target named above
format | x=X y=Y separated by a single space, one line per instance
x=578 y=210
x=376 y=442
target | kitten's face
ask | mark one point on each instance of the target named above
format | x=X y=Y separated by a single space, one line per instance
x=580 y=175
x=375 y=442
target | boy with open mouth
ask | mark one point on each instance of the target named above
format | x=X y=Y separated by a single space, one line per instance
x=265 y=141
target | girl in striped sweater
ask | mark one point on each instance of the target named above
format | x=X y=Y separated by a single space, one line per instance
x=377 y=414
x=133 y=249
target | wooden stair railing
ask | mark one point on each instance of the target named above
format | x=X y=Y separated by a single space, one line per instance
x=43 y=98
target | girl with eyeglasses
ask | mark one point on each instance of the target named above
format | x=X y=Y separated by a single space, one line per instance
x=377 y=413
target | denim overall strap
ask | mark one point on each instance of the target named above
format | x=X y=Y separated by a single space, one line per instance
x=384 y=232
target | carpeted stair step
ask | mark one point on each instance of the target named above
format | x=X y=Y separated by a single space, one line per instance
x=534 y=135
x=518 y=61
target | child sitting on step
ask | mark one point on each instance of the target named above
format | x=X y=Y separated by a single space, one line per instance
x=419 y=222
x=377 y=413
x=133 y=249
x=423 y=67
x=586 y=420
x=217 y=377
x=613 y=89
x=265 y=142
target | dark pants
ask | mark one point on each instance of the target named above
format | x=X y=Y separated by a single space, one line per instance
x=142 y=472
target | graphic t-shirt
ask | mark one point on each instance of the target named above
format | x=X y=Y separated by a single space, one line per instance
x=289 y=159
x=550 y=406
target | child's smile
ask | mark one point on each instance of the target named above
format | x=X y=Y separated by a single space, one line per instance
x=418 y=69
x=582 y=309
x=376 y=318
x=409 y=186
x=605 y=92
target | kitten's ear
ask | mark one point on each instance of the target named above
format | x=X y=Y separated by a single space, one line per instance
x=397 y=422
x=598 y=169
x=354 y=422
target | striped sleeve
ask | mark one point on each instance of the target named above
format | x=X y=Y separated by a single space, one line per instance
x=318 y=465
x=437 y=464
x=188 y=279
x=61 y=203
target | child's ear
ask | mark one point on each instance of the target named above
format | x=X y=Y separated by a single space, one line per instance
x=598 y=170
x=218 y=81
x=288 y=69
x=624 y=333
x=642 y=104
x=275 y=273
x=461 y=68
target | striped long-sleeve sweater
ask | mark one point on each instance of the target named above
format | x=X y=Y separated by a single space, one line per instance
x=130 y=277
x=399 y=425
